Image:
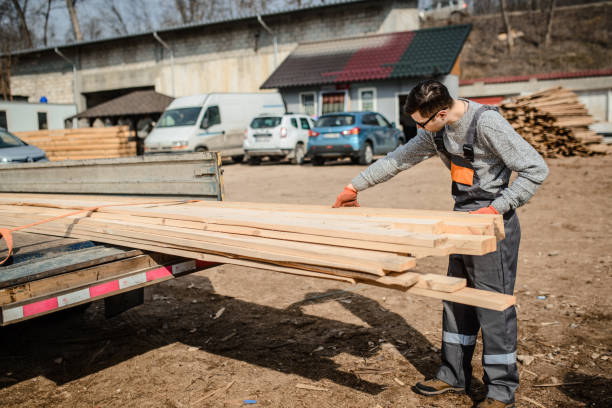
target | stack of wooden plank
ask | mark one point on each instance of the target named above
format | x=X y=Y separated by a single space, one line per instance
x=554 y=122
x=375 y=246
x=83 y=143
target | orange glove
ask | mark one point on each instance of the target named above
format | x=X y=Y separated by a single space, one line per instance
x=485 y=210
x=347 y=198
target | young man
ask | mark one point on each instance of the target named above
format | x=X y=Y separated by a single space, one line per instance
x=481 y=150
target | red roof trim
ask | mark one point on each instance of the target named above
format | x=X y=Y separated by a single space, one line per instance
x=552 y=75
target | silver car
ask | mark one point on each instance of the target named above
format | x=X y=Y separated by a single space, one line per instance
x=15 y=150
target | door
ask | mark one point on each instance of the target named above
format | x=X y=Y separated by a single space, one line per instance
x=375 y=132
x=304 y=129
x=211 y=133
x=387 y=133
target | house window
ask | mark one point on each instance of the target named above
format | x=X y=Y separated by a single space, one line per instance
x=42 y=121
x=367 y=99
x=3 y=122
x=308 y=104
x=333 y=102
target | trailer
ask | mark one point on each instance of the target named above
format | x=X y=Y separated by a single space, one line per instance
x=47 y=274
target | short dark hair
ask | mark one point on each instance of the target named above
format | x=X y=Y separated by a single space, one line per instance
x=428 y=97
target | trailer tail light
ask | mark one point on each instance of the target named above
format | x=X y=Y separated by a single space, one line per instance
x=312 y=133
x=246 y=134
x=353 y=131
x=283 y=132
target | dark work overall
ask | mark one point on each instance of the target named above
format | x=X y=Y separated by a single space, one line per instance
x=494 y=272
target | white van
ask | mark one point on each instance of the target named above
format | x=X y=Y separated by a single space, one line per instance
x=214 y=122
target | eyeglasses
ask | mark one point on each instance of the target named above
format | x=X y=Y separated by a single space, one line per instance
x=428 y=120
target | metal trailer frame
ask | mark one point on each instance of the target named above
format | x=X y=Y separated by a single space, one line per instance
x=48 y=274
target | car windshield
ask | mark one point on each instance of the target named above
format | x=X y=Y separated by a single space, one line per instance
x=9 y=140
x=265 y=122
x=179 y=117
x=335 y=120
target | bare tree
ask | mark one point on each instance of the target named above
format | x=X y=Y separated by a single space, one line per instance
x=74 y=19
x=502 y=5
x=549 y=23
x=122 y=27
x=21 y=12
x=46 y=17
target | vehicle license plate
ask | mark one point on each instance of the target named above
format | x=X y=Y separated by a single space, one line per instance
x=332 y=135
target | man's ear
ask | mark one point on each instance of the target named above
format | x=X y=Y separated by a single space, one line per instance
x=443 y=114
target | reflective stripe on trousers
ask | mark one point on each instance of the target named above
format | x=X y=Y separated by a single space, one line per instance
x=493 y=272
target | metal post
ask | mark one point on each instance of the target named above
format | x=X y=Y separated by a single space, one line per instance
x=274 y=37
x=75 y=79
x=166 y=46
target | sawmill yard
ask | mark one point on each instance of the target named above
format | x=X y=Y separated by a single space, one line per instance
x=232 y=333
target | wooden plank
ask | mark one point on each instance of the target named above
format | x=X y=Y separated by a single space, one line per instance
x=470 y=296
x=168 y=246
x=387 y=261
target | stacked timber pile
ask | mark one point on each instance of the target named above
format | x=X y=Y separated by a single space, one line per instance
x=83 y=143
x=370 y=245
x=554 y=122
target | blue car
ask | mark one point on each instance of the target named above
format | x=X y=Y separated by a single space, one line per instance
x=358 y=135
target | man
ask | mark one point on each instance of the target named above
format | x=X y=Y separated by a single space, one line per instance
x=481 y=150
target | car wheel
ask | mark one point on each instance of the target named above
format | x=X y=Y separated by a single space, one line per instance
x=254 y=161
x=367 y=155
x=201 y=149
x=355 y=159
x=318 y=161
x=298 y=154
x=238 y=158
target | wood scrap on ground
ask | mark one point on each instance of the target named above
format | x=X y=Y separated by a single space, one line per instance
x=554 y=122
x=373 y=246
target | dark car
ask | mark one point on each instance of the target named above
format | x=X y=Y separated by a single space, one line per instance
x=15 y=150
x=358 y=135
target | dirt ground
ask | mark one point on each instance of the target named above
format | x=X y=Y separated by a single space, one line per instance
x=354 y=346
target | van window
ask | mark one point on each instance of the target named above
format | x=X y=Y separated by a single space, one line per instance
x=294 y=122
x=305 y=124
x=335 y=120
x=179 y=117
x=3 y=123
x=265 y=122
x=211 y=117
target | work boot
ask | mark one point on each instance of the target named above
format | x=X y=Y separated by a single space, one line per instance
x=436 y=387
x=491 y=403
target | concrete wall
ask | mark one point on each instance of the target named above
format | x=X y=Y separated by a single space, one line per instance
x=23 y=116
x=594 y=92
x=229 y=57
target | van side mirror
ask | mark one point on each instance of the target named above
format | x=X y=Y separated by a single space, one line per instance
x=392 y=124
x=204 y=124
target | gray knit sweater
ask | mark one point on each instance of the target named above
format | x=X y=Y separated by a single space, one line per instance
x=498 y=150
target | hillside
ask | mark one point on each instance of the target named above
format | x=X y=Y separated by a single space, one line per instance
x=579 y=42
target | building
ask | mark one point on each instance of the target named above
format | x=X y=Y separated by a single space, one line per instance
x=20 y=116
x=373 y=72
x=222 y=56
x=593 y=87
